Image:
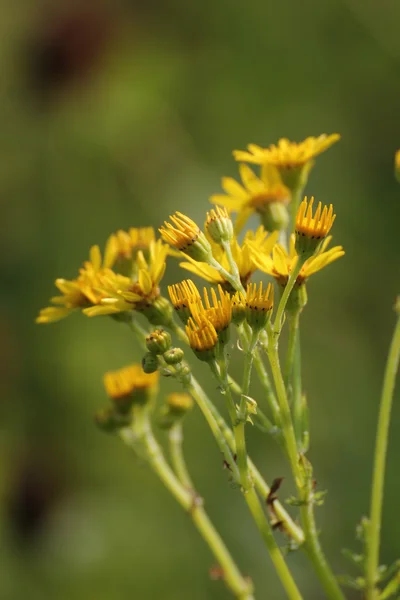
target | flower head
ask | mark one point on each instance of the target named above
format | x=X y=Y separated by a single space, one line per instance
x=76 y=293
x=203 y=338
x=282 y=263
x=259 y=304
x=241 y=255
x=129 y=384
x=183 y=234
x=123 y=246
x=293 y=160
x=182 y=295
x=218 y=311
x=287 y=154
x=121 y=294
x=311 y=228
x=265 y=195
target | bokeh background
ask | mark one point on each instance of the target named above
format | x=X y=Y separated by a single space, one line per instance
x=114 y=115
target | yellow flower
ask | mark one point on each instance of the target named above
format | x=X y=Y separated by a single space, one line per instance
x=127 y=380
x=293 y=160
x=241 y=255
x=76 y=293
x=265 y=195
x=259 y=304
x=182 y=295
x=184 y=235
x=124 y=245
x=203 y=338
x=130 y=384
x=218 y=311
x=120 y=293
x=311 y=229
x=282 y=263
x=286 y=154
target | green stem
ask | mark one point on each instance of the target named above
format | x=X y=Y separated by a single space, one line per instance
x=233 y=267
x=239 y=429
x=277 y=558
x=244 y=336
x=303 y=484
x=315 y=553
x=240 y=587
x=175 y=438
x=226 y=275
x=286 y=293
x=378 y=478
x=292 y=376
x=207 y=407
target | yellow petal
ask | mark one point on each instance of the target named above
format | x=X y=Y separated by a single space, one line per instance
x=233 y=188
x=95 y=257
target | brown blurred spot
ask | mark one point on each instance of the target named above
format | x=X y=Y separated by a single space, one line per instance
x=66 y=45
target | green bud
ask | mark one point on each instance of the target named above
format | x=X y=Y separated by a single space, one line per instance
x=219 y=225
x=159 y=312
x=174 y=356
x=158 y=342
x=150 y=363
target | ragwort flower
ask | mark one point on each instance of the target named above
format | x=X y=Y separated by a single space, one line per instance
x=281 y=263
x=265 y=195
x=311 y=228
x=293 y=160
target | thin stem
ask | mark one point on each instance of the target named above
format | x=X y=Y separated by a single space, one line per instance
x=239 y=429
x=378 y=478
x=233 y=267
x=303 y=484
x=292 y=376
x=286 y=293
x=175 y=438
x=263 y=489
x=226 y=275
x=277 y=558
x=240 y=587
x=244 y=336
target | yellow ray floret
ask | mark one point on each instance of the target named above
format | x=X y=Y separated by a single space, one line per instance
x=286 y=154
x=315 y=226
x=253 y=195
x=202 y=337
x=281 y=263
x=218 y=311
x=126 y=381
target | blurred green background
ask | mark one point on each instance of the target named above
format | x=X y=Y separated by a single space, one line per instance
x=114 y=115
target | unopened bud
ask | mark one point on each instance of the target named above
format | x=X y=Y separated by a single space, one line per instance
x=149 y=363
x=219 y=225
x=174 y=356
x=158 y=342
